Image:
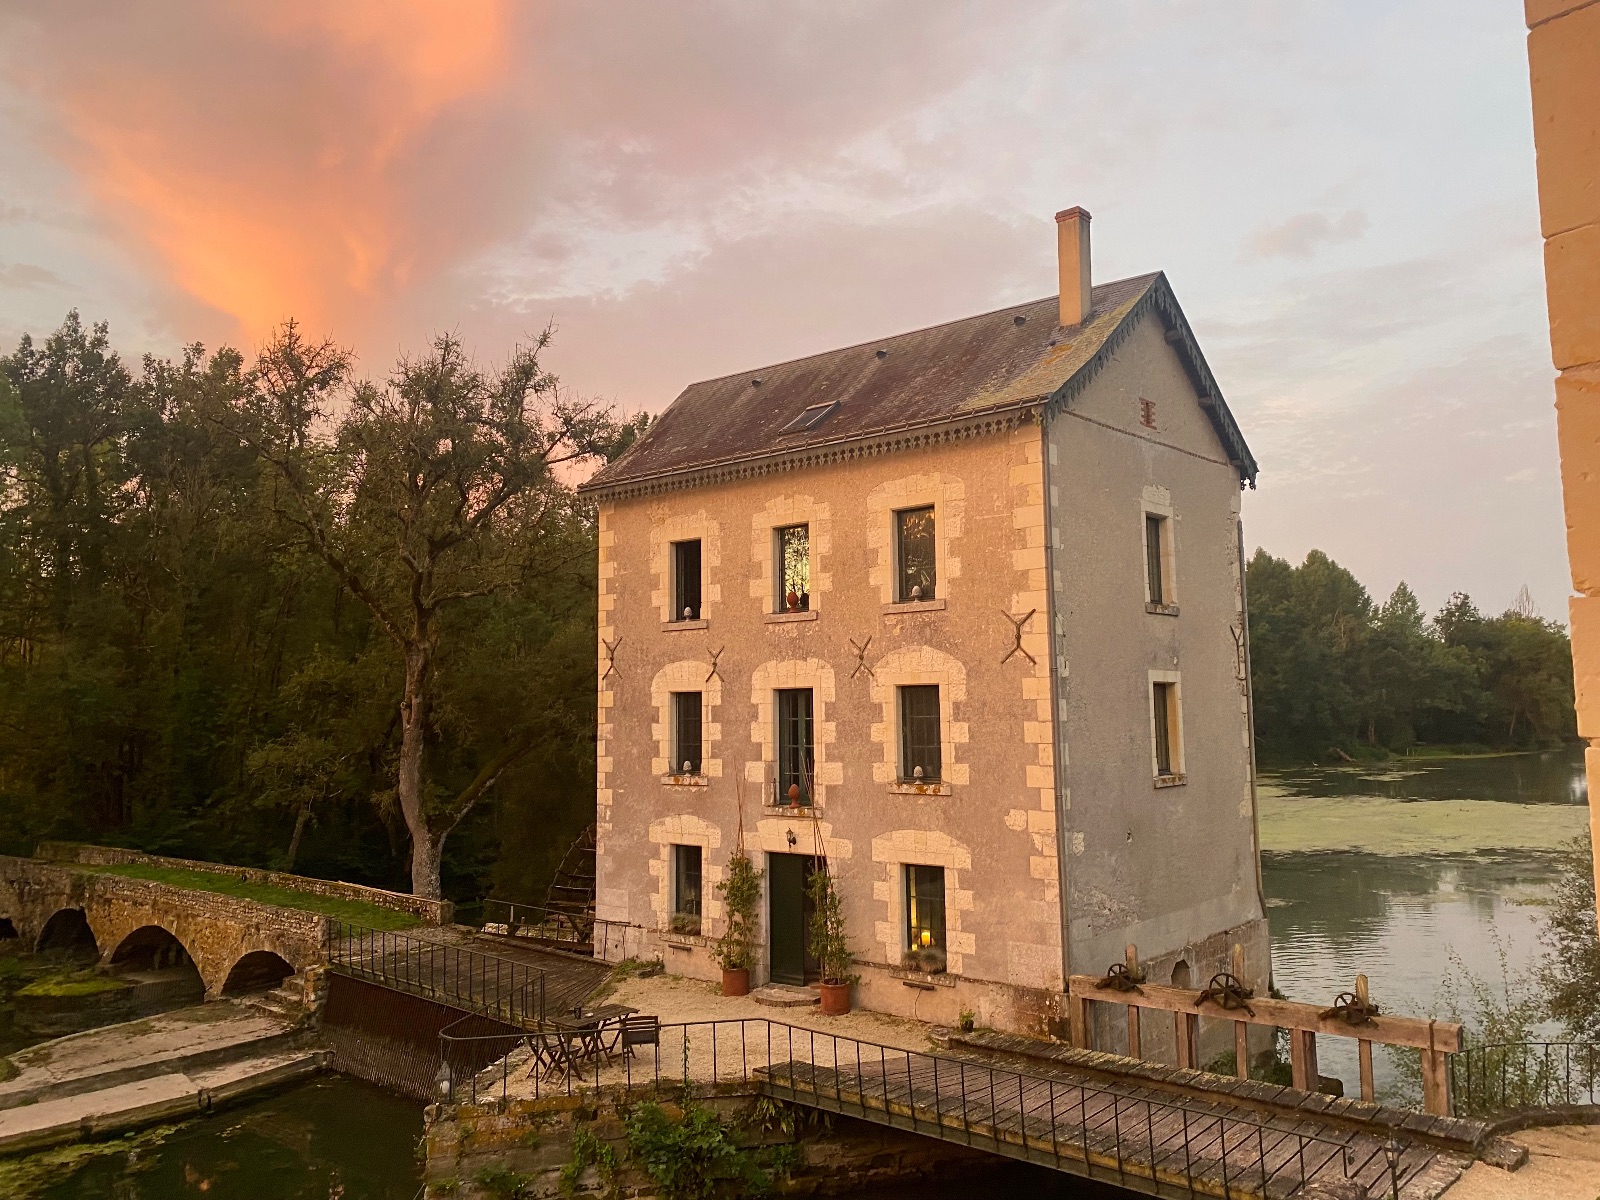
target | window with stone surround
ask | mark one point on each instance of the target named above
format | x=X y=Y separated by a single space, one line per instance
x=915 y=555
x=921 y=757
x=686 y=580
x=686 y=727
x=796 y=746
x=792 y=560
x=686 y=861
x=925 y=925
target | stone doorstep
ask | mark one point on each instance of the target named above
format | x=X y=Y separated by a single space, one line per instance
x=785 y=995
x=169 y=1096
x=1463 y=1135
x=178 y=1062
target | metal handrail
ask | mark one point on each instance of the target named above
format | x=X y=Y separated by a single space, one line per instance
x=1505 y=1077
x=469 y=979
x=1075 y=1124
x=583 y=934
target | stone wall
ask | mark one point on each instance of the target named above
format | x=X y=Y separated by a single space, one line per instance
x=1564 y=66
x=469 y=1148
x=434 y=912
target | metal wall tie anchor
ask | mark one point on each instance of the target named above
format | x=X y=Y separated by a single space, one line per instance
x=1017 y=626
x=1227 y=993
x=611 y=658
x=861 y=659
x=716 y=673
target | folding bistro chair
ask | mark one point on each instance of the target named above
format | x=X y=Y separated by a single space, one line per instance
x=640 y=1031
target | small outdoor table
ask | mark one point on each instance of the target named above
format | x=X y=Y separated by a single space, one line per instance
x=581 y=1036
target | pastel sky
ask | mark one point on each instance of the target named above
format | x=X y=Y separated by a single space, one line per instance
x=1342 y=195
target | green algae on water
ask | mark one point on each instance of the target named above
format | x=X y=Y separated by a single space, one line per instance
x=1380 y=825
x=71 y=986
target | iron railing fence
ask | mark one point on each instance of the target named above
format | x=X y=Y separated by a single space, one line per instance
x=580 y=933
x=1174 y=1147
x=1501 y=1079
x=468 y=979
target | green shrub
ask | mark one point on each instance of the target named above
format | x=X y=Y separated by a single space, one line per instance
x=741 y=896
x=691 y=1158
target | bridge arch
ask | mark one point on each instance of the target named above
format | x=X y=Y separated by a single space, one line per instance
x=68 y=929
x=257 y=971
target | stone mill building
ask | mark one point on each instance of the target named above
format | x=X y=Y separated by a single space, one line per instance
x=962 y=612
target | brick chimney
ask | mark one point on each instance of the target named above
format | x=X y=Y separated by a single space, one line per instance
x=1072 y=249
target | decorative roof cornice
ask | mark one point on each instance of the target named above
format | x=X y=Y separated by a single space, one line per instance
x=1000 y=419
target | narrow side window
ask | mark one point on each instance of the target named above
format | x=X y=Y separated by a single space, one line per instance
x=1164 y=716
x=686 y=580
x=920 y=750
x=916 y=574
x=686 y=733
x=1155 y=540
x=792 y=545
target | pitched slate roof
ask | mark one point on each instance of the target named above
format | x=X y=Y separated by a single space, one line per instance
x=1003 y=362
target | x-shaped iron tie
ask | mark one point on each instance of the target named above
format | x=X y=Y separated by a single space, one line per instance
x=611 y=658
x=1018 y=623
x=861 y=659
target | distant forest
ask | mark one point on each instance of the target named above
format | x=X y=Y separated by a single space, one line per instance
x=1336 y=674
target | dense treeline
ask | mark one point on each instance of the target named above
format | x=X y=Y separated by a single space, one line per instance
x=1335 y=673
x=270 y=613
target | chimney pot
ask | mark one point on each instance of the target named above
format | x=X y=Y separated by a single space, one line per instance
x=1072 y=250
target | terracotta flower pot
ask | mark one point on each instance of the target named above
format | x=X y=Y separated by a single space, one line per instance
x=735 y=981
x=835 y=999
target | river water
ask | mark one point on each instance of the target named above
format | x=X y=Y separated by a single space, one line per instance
x=1424 y=875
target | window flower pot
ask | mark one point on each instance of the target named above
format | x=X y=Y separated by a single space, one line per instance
x=735 y=981
x=835 y=999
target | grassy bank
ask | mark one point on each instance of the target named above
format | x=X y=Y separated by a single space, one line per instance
x=354 y=911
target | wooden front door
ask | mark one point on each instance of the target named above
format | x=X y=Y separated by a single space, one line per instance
x=789 y=917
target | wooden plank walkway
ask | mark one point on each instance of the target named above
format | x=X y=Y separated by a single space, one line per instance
x=1128 y=1133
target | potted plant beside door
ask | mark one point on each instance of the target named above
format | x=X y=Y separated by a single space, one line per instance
x=828 y=943
x=741 y=899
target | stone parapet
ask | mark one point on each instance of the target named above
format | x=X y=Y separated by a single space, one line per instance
x=434 y=912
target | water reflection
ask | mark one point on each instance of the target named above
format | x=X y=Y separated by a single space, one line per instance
x=335 y=1139
x=1407 y=923
x=1548 y=777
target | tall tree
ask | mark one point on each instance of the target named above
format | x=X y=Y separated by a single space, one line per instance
x=426 y=493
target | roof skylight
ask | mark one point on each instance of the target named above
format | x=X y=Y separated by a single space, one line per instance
x=811 y=417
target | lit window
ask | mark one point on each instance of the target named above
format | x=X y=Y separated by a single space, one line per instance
x=686 y=733
x=794 y=569
x=686 y=889
x=914 y=554
x=925 y=938
x=920 y=758
x=686 y=580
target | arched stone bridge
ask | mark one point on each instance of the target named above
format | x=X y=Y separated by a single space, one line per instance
x=232 y=942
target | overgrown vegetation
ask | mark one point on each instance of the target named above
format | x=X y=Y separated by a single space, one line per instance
x=1334 y=673
x=588 y=1151
x=356 y=912
x=220 y=579
x=693 y=1155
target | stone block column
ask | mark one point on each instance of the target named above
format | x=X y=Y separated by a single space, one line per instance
x=1564 y=65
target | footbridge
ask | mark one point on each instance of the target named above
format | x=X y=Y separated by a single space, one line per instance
x=118 y=906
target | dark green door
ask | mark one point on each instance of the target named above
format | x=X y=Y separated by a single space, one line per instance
x=789 y=913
